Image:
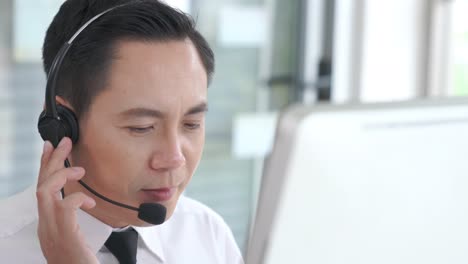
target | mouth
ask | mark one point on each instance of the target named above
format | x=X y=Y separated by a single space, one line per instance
x=160 y=194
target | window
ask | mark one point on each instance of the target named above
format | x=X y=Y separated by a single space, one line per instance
x=459 y=49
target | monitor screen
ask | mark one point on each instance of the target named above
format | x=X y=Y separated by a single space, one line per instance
x=383 y=183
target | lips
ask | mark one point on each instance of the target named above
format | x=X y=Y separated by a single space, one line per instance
x=159 y=195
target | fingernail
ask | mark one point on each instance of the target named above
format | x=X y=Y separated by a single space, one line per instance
x=47 y=146
x=62 y=142
x=92 y=202
x=77 y=170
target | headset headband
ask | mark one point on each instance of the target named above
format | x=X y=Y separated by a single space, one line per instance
x=51 y=107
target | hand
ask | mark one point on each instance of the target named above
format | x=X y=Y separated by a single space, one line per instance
x=59 y=233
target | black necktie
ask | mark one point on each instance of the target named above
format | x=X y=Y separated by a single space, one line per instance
x=123 y=245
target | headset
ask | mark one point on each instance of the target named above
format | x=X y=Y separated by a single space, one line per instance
x=57 y=122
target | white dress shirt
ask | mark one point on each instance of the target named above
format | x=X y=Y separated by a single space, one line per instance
x=193 y=234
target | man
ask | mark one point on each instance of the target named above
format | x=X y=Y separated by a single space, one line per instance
x=136 y=78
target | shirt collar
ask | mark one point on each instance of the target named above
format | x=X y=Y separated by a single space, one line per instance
x=94 y=231
x=152 y=239
x=152 y=235
x=97 y=232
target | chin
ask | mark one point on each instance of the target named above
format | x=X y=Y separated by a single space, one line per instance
x=141 y=223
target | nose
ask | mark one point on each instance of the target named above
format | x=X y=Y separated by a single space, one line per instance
x=168 y=155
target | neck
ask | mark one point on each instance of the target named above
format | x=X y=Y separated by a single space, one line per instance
x=105 y=212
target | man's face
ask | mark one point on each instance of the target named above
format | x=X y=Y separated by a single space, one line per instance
x=144 y=134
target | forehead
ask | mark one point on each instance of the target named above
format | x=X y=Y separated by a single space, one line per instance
x=159 y=75
x=157 y=59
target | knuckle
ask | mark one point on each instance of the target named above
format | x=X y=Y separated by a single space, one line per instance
x=43 y=170
x=61 y=206
x=40 y=193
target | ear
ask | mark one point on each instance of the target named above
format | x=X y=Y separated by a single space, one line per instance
x=63 y=102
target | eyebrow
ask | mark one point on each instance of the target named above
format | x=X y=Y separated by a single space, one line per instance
x=148 y=112
x=200 y=108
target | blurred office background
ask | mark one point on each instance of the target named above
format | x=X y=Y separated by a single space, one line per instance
x=270 y=54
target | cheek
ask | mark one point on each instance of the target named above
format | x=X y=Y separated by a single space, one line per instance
x=195 y=151
x=111 y=162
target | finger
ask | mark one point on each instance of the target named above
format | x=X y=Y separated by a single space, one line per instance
x=78 y=200
x=66 y=210
x=55 y=182
x=46 y=153
x=47 y=191
x=56 y=161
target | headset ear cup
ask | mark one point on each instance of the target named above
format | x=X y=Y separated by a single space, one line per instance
x=69 y=122
x=54 y=130
x=51 y=129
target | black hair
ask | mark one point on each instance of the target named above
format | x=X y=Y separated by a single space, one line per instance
x=84 y=70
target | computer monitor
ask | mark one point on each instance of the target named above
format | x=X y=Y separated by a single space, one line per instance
x=366 y=184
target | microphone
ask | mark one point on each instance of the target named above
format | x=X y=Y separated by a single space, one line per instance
x=152 y=213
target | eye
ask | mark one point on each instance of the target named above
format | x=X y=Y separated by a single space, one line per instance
x=192 y=126
x=140 y=130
